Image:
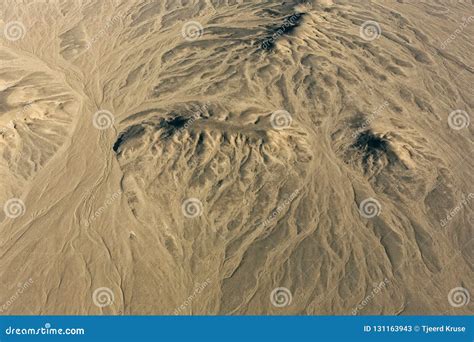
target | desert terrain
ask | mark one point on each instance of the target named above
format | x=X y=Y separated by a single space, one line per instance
x=233 y=157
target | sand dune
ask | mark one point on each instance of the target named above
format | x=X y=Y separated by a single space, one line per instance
x=236 y=157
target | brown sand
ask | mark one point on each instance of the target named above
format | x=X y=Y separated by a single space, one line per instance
x=259 y=166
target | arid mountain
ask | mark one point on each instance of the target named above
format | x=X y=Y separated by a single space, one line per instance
x=236 y=157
